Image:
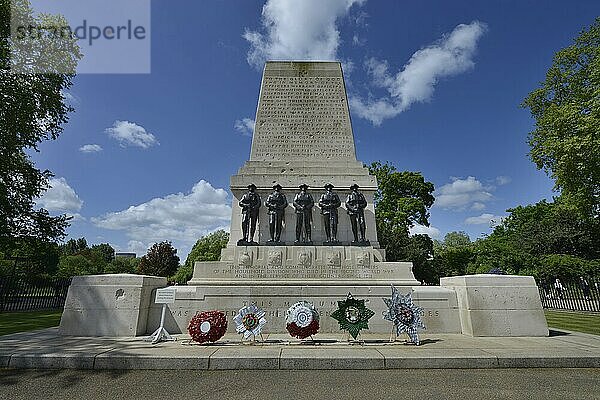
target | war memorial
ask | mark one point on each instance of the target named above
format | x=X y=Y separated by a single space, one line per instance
x=303 y=229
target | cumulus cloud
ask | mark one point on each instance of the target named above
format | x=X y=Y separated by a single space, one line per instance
x=60 y=197
x=485 y=219
x=245 y=126
x=463 y=193
x=131 y=134
x=503 y=180
x=451 y=55
x=179 y=218
x=431 y=231
x=90 y=148
x=298 y=30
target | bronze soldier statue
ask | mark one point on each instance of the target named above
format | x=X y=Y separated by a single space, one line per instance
x=329 y=203
x=355 y=206
x=250 y=204
x=303 y=203
x=276 y=203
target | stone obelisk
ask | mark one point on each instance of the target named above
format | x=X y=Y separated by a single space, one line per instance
x=303 y=135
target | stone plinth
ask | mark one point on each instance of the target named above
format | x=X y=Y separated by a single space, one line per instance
x=498 y=305
x=109 y=305
x=439 y=304
x=300 y=265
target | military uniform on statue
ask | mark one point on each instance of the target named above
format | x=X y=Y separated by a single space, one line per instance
x=250 y=205
x=355 y=206
x=276 y=203
x=303 y=204
x=329 y=204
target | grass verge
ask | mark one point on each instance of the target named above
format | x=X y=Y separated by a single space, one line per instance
x=574 y=321
x=14 y=322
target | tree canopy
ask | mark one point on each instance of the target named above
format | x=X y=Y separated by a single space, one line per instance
x=207 y=248
x=33 y=109
x=566 y=109
x=402 y=200
x=161 y=260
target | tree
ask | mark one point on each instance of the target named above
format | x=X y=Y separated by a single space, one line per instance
x=566 y=109
x=453 y=256
x=207 y=248
x=33 y=109
x=161 y=260
x=402 y=200
x=74 y=246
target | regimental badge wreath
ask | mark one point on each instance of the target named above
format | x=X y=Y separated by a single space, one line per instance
x=352 y=315
x=249 y=321
x=208 y=326
x=405 y=315
x=302 y=320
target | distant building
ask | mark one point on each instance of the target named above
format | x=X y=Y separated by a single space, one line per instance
x=125 y=255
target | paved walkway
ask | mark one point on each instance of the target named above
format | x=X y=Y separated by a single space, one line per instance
x=46 y=349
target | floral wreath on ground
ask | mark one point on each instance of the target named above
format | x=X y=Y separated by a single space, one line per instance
x=207 y=326
x=352 y=315
x=302 y=320
x=405 y=315
x=249 y=321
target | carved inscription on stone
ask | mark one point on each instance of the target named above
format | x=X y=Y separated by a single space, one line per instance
x=303 y=117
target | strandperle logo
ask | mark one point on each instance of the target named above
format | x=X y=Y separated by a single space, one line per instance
x=80 y=36
x=85 y=31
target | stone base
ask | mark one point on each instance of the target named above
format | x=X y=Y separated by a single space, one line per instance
x=498 y=305
x=439 y=304
x=109 y=305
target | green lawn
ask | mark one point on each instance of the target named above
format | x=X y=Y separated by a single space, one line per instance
x=574 y=321
x=28 y=321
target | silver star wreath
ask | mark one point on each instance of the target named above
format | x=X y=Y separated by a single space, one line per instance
x=405 y=315
x=250 y=321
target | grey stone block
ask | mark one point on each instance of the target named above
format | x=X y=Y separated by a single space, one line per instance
x=245 y=357
x=52 y=361
x=413 y=358
x=357 y=357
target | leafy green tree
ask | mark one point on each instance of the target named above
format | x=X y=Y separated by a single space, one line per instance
x=551 y=228
x=453 y=255
x=207 y=248
x=104 y=251
x=419 y=250
x=122 y=265
x=74 y=246
x=566 y=108
x=402 y=200
x=161 y=260
x=77 y=265
x=33 y=109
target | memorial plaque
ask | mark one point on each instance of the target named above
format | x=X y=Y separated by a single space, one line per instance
x=303 y=114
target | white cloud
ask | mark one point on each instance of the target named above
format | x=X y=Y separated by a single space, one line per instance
x=60 y=197
x=131 y=134
x=90 y=148
x=298 y=30
x=485 y=219
x=245 y=126
x=431 y=231
x=179 y=218
x=477 y=206
x=451 y=55
x=462 y=193
x=503 y=180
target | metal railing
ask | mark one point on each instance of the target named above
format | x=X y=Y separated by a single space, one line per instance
x=574 y=295
x=18 y=294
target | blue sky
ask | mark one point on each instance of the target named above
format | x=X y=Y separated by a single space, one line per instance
x=147 y=157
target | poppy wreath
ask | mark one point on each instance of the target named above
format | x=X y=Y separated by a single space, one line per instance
x=302 y=320
x=207 y=326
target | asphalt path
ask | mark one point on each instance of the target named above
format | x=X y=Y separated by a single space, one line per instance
x=470 y=384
